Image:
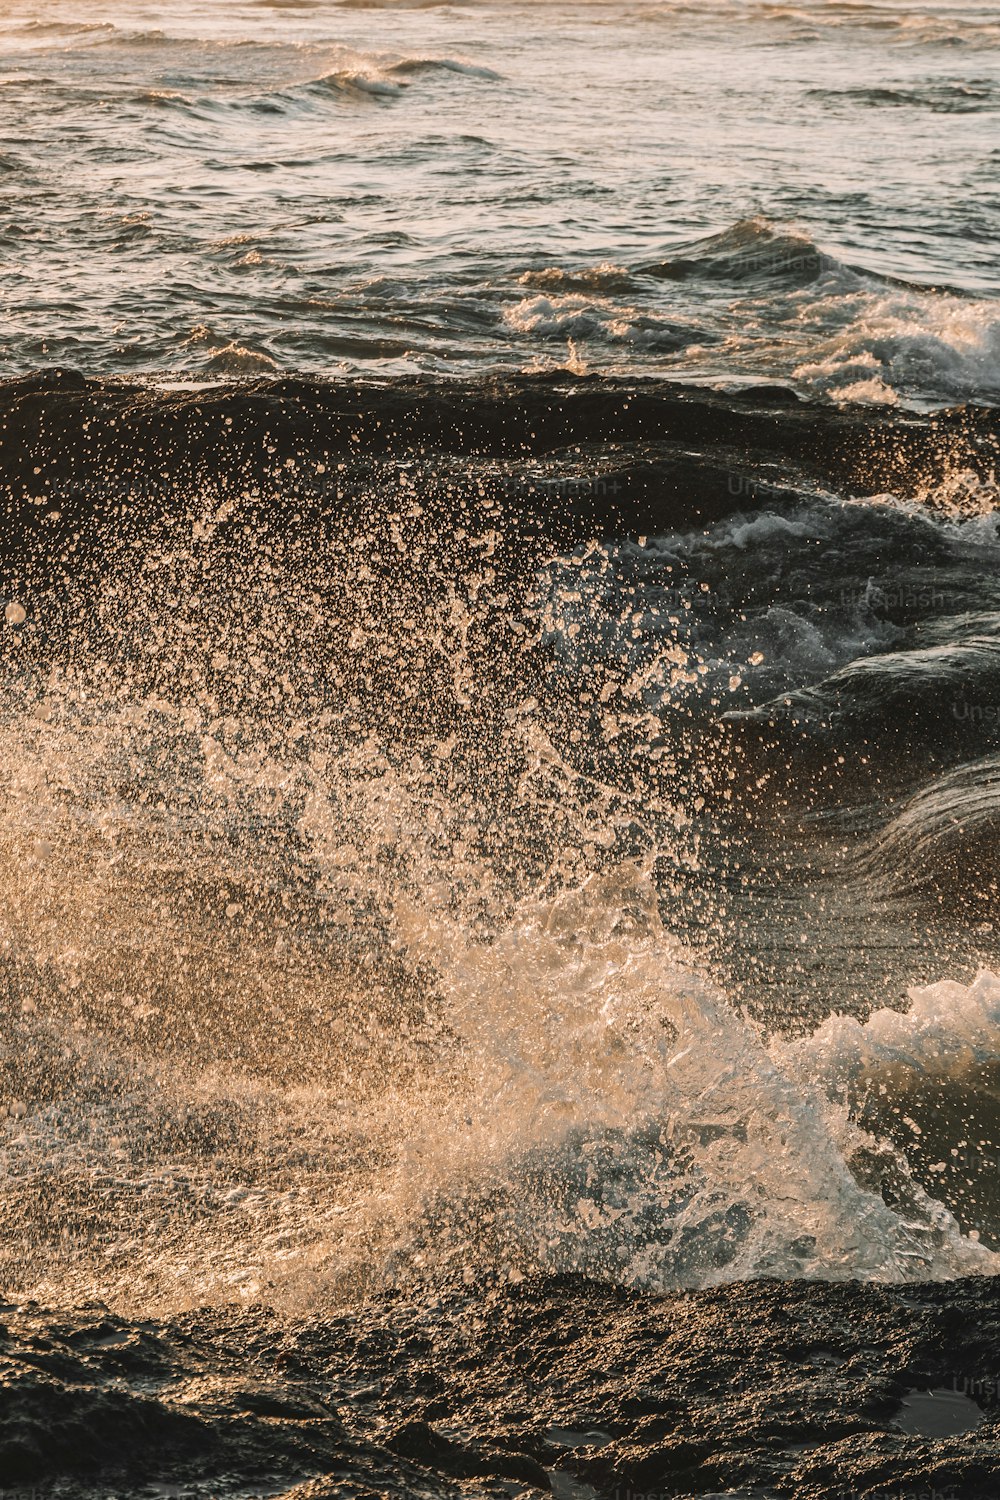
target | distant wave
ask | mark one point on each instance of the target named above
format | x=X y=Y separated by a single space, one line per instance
x=361 y=69
x=796 y=23
x=757 y=252
x=945 y=97
x=64 y=28
x=907 y=26
x=418 y=65
x=389 y=79
x=604 y=278
x=750 y=251
x=370 y=76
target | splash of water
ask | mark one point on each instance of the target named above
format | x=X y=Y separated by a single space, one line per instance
x=337 y=938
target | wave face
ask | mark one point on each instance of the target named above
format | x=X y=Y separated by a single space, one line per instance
x=401 y=188
x=395 y=894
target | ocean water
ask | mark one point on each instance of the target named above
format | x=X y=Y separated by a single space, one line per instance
x=399 y=894
x=725 y=190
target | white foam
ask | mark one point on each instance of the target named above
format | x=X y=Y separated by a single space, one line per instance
x=948 y=1029
x=611 y=1114
x=580 y=316
x=905 y=343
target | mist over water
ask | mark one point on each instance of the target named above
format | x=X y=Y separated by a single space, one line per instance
x=723 y=191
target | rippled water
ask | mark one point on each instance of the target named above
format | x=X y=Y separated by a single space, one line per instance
x=724 y=190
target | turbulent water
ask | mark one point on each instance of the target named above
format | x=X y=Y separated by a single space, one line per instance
x=394 y=891
x=726 y=189
x=500 y=754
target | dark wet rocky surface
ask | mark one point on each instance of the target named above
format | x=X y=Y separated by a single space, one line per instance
x=764 y=1389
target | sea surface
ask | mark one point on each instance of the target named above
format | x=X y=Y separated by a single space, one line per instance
x=499 y=750
x=724 y=189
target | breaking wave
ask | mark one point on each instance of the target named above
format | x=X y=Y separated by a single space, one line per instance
x=344 y=919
